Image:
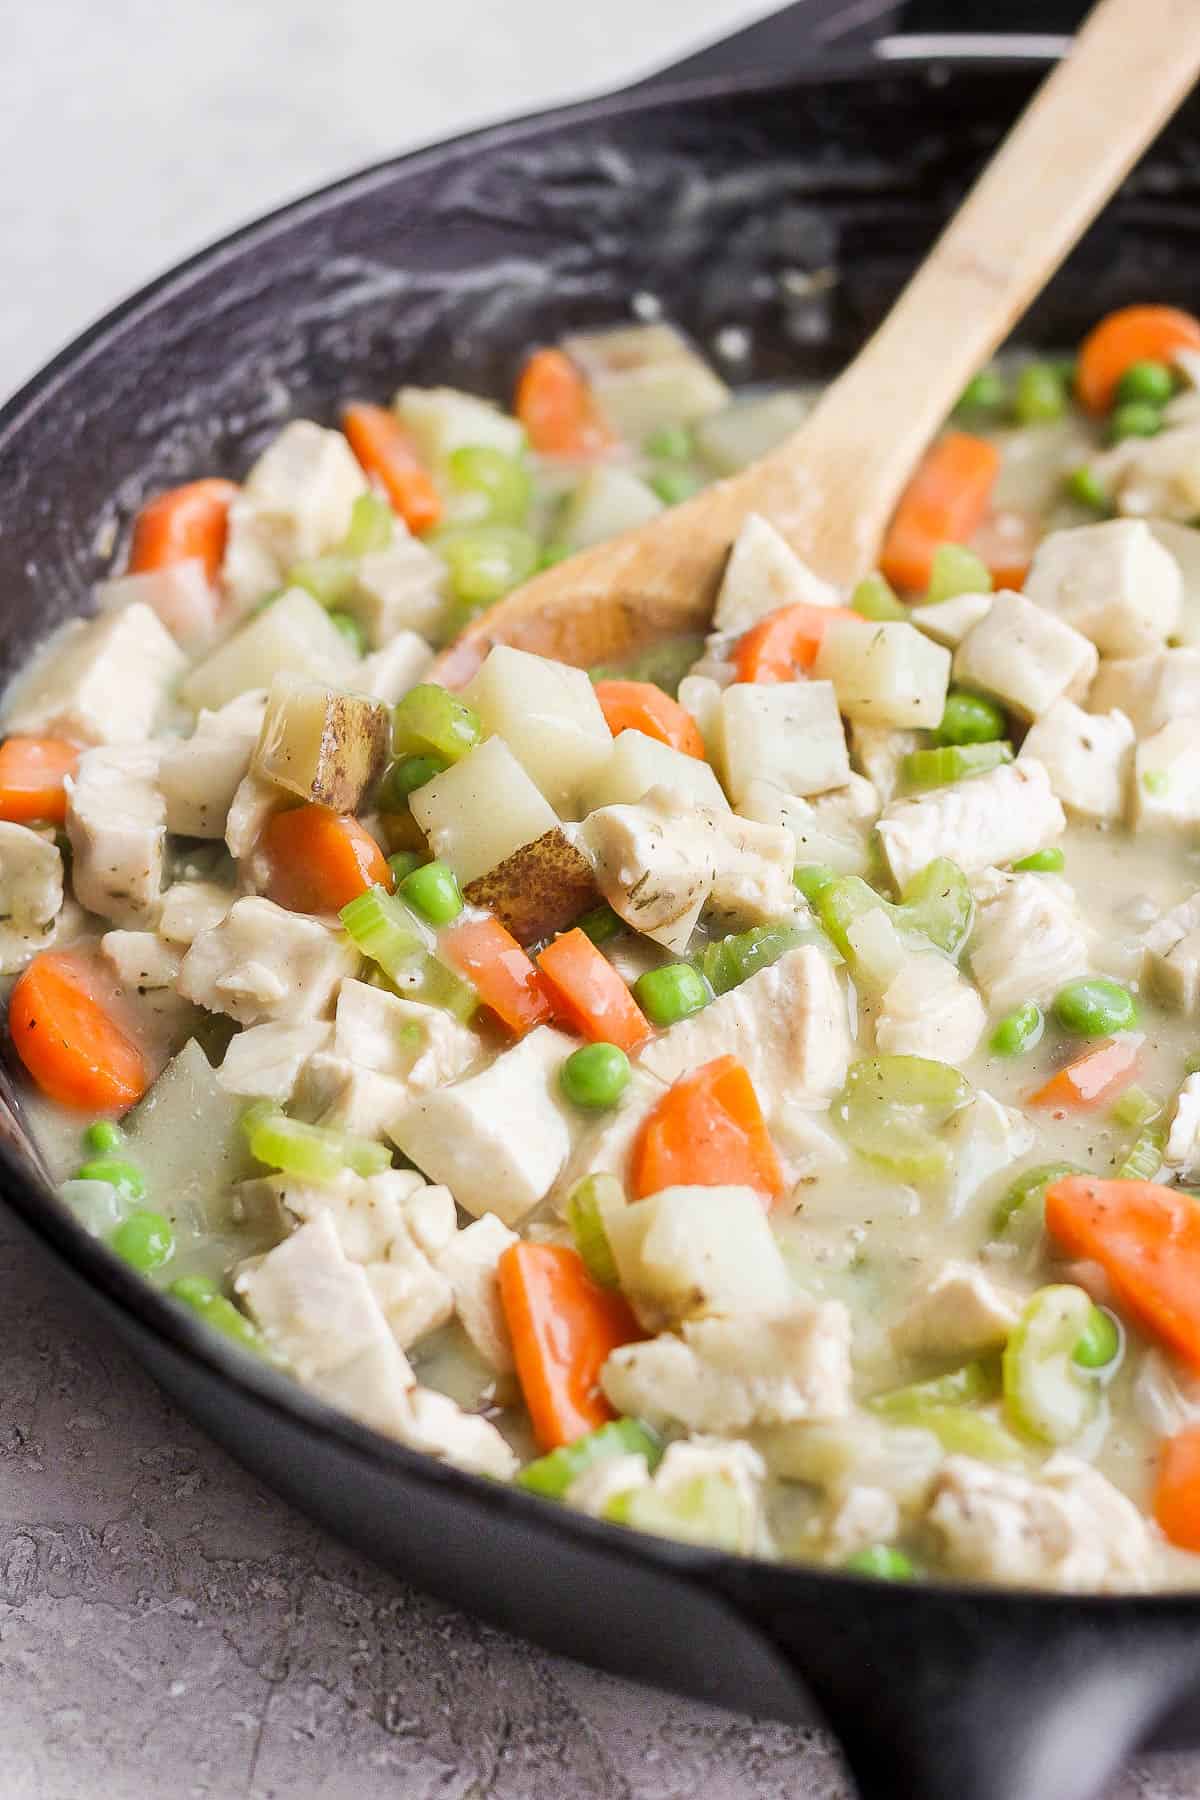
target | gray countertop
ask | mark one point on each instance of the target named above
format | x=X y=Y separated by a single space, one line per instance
x=168 y=1627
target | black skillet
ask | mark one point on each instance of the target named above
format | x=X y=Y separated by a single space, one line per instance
x=718 y=196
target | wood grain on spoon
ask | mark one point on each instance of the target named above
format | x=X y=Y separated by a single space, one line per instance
x=831 y=487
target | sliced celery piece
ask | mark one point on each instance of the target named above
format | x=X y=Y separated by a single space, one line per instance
x=1020 y=1212
x=731 y=960
x=705 y=1510
x=840 y=902
x=1143 y=1159
x=813 y=878
x=431 y=721
x=602 y=924
x=502 y=482
x=383 y=929
x=960 y=1431
x=891 y=1108
x=585 y=1216
x=969 y=1385
x=1046 y=1394
x=552 y=1475
x=329 y=579
x=1135 y=1107
x=310 y=1152
x=372 y=526
x=486 y=561
x=945 y=763
x=938 y=903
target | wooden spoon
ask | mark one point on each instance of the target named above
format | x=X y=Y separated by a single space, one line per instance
x=831 y=487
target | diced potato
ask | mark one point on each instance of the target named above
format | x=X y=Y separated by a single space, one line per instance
x=1025 y=657
x=98 y=681
x=183 y=597
x=886 y=674
x=1114 y=582
x=646 y=375
x=549 y=717
x=607 y=502
x=294 y=633
x=443 y=420
x=840 y=841
x=748 y=427
x=199 y=776
x=325 y=745
x=1166 y=789
x=481 y=810
x=948 y=621
x=187 y=1133
x=636 y=763
x=541 y=888
x=687 y=1251
x=788 y=733
x=401 y=588
x=701 y=696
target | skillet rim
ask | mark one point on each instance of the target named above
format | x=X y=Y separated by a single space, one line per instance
x=148 y=1308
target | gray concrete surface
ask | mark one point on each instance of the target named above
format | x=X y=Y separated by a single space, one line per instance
x=167 y=1627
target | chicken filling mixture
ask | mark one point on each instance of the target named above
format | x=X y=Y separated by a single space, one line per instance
x=751 y=1096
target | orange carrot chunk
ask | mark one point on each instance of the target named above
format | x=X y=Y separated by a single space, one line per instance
x=32 y=773
x=1096 y=1076
x=1146 y=1238
x=642 y=706
x=75 y=1052
x=558 y=409
x=785 y=642
x=563 y=1329
x=1177 y=1489
x=389 y=456
x=590 y=995
x=1132 y=334
x=502 y=975
x=944 y=503
x=189 y=521
x=707 y=1131
x=320 y=860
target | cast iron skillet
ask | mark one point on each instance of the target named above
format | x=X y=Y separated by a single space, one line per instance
x=720 y=196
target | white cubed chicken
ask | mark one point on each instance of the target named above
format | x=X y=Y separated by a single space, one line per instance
x=293 y=635
x=264 y=1061
x=958 y=1311
x=443 y=420
x=1172 y=956
x=1088 y=757
x=607 y=500
x=1065 y=1528
x=499 y=1138
x=254 y=804
x=995 y=818
x=294 y=504
x=928 y=1009
x=1182 y=1151
x=725 y=1374
x=1114 y=582
x=636 y=763
x=199 y=776
x=763 y=575
x=1025 y=657
x=470 y=1263
x=421 y=1046
x=181 y=596
x=388 y=674
x=711 y=1465
x=1150 y=690
x=98 y=681
x=190 y=907
x=646 y=375
x=147 y=968
x=603 y=1147
x=948 y=621
x=1156 y=477
x=700 y=695
x=788 y=733
x=857 y=1450
x=481 y=809
x=885 y=674
x=116 y=821
x=1028 y=940
x=836 y=836
x=549 y=717
x=440 y=1427
x=31 y=895
x=863 y=1517
x=1166 y=779
x=332 y=1091
x=401 y=588
x=264 y=963
x=687 y=1252
x=878 y=753
x=984 y=1137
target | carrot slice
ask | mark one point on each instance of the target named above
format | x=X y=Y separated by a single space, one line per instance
x=32 y=773
x=74 y=1050
x=642 y=706
x=590 y=995
x=504 y=978
x=785 y=642
x=707 y=1131
x=388 y=454
x=558 y=409
x=944 y=503
x=1132 y=334
x=320 y=860
x=1177 y=1489
x=563 y=1329
x=186 y=522
x=1146 y=1238
x=1093 y=1078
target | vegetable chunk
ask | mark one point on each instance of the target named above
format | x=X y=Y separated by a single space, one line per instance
x=324 y=744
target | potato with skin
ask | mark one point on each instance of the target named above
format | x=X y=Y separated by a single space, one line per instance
x=326 y=745
x=543 y=887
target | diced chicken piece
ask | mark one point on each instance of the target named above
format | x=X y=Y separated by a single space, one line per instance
x=700 y=695
x=148 y=970
x=788 y=733
x=661 y=862
x=832 y=835
x=763 y=575
x=470 y=1262
x=878 y=751
x=865 y=1516
x=1028 y=940
x=549 y=717
x=1172 y=953
x=265 y=963
x=1088 y=757
x=255 y=802
x=181 y=596
x=636 y=763
x=1066 y=1528
x=264 y=1062
x=738 y=1467
x=372 y=1215
x=117 y=827
x=1156 y=477
x=958 y=1312
x=1150 y=690
x=995 y=818
x=928 y=1009
x=948 y=621
x=497 y=1139
x=1025 y=657
x=985 y=1137
x=481 y=809
x=725 y=1374
x=98 y=681
x=647 y=375
x=885 y=674
x=399 y=589
x=295 y=503
x=31 y=895
x=857 y=1450
x=594 y=1490
x=437 y=1425
x=415 y=1297
x=421 y=1046
x=804 y=1144
x=388 y=674
x=190 y=907
x=200 y=775
x=332 y=1090
x=604 y=1147
x=687 y=1252
x=608 y=499
x=1166 y=779
x=1182 y=1152
x=1114 y=582
x=443 y=420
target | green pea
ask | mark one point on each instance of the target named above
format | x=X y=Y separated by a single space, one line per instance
x=882 y=1561
x=406 y=775
x=104 y=1137
x=1099 y=1342
x=673 y=484
x=595 y=1077
x=956 y=570
x=351 y=630
x=670 y=443
x=201 y=1295
x=126 y=1177
x=431 y=721
x=145 y=1240
x=813 y=878
x=403 y=862
x=970 y=719
x=1085 y=486
x=434 y=892
x=1019 y=1030
x=671 y=993
x=1043 y=862
x=1151 y=382
x=986 y=392
x=1136 y=418
x=875 y=598
x=602 y=924
x=1156 y=782
x=1094 y=1006
x=1040 y=395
